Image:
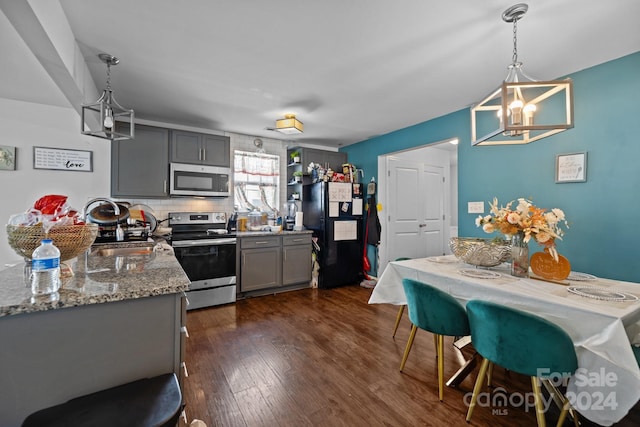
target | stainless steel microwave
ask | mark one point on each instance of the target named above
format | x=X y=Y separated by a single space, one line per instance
x=199 y=180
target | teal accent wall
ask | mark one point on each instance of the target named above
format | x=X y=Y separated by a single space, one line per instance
x=603 y=238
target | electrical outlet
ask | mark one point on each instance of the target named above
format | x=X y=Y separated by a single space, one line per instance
x=475 y=207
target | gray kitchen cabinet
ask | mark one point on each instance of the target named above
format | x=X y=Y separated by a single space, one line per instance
x=272 y=261
x=200 y=148
x=260 y=262
x=56 y=355
x=140 y=167
x=296 y=259
x=333 y=159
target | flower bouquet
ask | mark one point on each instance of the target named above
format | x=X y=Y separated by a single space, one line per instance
x=526 y=220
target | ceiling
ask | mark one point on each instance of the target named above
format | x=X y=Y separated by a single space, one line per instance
x=349 y=70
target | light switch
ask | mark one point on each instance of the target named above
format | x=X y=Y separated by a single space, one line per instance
x=475 y=207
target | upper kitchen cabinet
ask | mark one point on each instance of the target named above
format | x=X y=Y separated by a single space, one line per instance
x=200 y=148
x=331 y=159
x=140 y=167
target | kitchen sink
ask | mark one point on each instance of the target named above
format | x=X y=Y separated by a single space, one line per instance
x=129 y=251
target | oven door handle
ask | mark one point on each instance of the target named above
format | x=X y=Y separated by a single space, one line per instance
x=204 y=242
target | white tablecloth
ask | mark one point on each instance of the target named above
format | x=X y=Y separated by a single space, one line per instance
x=601 y=330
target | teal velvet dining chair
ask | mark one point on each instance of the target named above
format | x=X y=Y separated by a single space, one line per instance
x=520 y=342
x=636 y=352
x=435 y=311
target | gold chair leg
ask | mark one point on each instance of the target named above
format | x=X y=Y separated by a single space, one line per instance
x=440 y=352
x=490 y=375
x=563 y=404
x=553 y=392
x=398 y=317
x=537 y=395
x=435 y=344
x=407 y=349
x=563 y=414
x=477 y=387
x=574 y=414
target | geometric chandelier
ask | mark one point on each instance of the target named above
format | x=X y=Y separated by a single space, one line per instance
x=100 y=117
x=522 y=109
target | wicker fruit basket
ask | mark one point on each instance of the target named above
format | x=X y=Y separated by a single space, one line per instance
x=481 y=252
x=71 y=240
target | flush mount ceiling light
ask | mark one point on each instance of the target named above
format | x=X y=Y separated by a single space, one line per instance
x=523 y=109
x=289 y=125
x=98 y=119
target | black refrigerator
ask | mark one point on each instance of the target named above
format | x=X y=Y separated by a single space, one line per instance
x=334 y=211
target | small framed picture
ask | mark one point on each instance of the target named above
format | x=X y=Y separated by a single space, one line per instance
x=62 y=159
x=571 y=167
x=7 y=157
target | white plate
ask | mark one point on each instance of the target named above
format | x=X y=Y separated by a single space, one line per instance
x=581 y=277
x=443 y=259
x=479 y=274
x=603 y=294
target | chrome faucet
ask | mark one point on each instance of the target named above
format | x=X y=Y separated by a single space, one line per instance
x=116 y=212
x=85 y=210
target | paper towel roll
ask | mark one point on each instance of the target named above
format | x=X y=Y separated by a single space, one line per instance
x=298 y=224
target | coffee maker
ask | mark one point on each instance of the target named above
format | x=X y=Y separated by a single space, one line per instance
x=290 y=219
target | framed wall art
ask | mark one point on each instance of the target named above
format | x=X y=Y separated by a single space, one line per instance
x=62 y=159
x=7 y=158
x=571 y=167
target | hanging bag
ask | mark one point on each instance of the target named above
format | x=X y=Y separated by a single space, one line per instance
x=365 y=261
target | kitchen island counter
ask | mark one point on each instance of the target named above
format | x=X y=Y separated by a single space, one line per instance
x=120 y=318
x=98 y=279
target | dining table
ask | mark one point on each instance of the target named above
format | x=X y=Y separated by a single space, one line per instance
x=602 y=317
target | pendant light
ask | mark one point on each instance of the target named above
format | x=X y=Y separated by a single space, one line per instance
x=523 y=109
x=289 y=125
x=99 y=118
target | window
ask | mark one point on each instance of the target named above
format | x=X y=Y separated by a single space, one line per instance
x=256 y=180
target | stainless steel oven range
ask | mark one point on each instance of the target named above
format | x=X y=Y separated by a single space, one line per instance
x=207 y=254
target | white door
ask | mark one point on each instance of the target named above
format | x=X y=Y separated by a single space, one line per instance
x=433 y=224
x=415 y=209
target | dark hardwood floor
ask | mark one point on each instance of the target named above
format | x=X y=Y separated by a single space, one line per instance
x=326 y=358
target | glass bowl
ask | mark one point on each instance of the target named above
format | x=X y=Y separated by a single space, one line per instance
x=481 y=252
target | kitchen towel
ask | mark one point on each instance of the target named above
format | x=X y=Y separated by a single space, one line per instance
x=298 y=224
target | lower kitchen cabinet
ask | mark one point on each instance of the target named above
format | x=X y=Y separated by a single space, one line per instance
x=273 y=261
x=56 y=355
x=260 y=260
x=296 y=259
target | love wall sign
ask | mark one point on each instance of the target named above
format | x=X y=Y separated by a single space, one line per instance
x=61 y=159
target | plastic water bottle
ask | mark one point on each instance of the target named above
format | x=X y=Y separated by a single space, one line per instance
x=45 y=269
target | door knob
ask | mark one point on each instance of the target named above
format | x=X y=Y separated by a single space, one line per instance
x=422 y=225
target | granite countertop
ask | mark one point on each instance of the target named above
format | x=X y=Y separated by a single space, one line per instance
x=98 y=279
x=241 y=234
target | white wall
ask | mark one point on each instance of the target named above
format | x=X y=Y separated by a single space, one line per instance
x=25 y=125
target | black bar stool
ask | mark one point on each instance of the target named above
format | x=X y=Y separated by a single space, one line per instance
x=149 y=402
